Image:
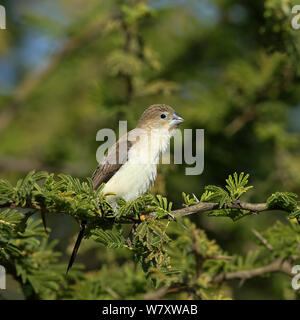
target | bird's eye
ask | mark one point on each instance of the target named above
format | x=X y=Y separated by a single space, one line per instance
x=163 y=116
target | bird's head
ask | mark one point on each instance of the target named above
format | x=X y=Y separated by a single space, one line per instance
x=160 y=116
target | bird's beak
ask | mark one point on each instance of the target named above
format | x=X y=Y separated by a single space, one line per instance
x=176 y=120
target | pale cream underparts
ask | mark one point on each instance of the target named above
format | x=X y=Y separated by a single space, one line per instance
x=137 y=174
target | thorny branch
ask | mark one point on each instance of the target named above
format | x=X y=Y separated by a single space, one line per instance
x=278 y=265
x=197 y=208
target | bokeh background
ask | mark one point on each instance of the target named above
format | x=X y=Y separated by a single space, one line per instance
x=70 y=68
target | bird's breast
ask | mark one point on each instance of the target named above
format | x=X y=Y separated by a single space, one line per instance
x=132 y=180
x=138 y=173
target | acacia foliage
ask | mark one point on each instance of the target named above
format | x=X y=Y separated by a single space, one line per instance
x=170 y=251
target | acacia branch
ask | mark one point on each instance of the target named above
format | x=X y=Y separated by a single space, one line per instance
x=199 y=207
x=278 y=265
x=211 y=206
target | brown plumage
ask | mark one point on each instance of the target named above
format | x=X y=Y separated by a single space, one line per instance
x=153 y=113
x=112 y=162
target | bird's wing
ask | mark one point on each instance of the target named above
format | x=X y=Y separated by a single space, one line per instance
x=116 y=156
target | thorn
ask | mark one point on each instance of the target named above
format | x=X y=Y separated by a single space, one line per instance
x=195 y=198
x=77 y=245
x=43 y=216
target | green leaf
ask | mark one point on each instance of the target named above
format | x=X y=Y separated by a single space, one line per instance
x=282 y=200
x=236 y=185
x=217 y=194
x=109 y=238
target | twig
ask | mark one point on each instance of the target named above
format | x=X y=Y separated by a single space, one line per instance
x=278 y=265
x=263 y=240
x=199 y=207
x=210 y=206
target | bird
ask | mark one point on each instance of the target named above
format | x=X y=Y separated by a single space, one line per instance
x=130 y=166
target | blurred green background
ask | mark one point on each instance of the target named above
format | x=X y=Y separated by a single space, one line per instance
x=70 y=68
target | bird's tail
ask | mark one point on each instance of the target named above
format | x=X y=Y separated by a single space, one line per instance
x=77 y=244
